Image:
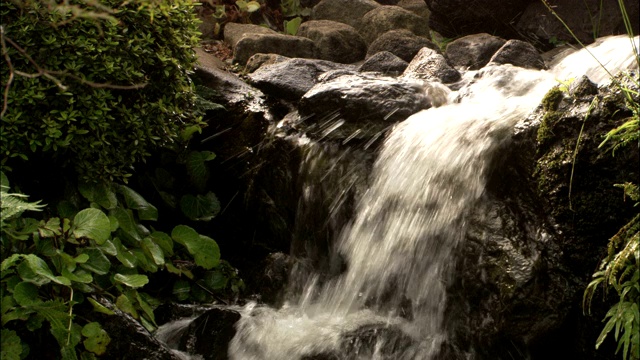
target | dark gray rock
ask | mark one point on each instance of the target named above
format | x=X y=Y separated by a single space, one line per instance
x=384 y=62
x=360 y=103
x=538 y=23
x=453 y=18
x=473 y=51
x=233 y=32
x=348 y=12
x=335 y=41
x=582 y=87
x=430 y=65
x=402 y=43
x=286 y=45
x=258 y=60
x=290 y=79
x=419 y=7
x=384 y=18
x=210 y=333
x=531 y=247
x=129 y=339
x=231 y=91
x=519 y=53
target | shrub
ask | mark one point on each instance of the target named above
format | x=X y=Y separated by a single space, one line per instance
x=96 y=88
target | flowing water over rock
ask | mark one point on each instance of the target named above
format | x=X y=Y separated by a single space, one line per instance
x=389 y=302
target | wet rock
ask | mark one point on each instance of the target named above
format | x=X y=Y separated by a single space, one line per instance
x=582 y=87
x=273 y=276
x=231 y=91
x=168 y=312
x=335 y=41
x=537 y=23
x=364 y=341
x=384 y=18
x=210 y=333
x=290 y=79
x=473 y=51
x=258 y=60
x=519 y=53
x=531 y=246
x=453 y=18
x=360 y=103
x=286 y=45
x=402 y=43
x=348 y=12
x=384 y=62
x=129 y=339
x=429 y=64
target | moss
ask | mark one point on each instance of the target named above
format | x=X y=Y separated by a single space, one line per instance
x=552 y=99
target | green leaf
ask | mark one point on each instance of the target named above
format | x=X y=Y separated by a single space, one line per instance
x=99 y=307
x=153 y=251
x=205 y=250
x=215 y=280
x=197 y=169
x=36 y=271
x=291 y=26
x=97 y=263
x=133 y=281
x=93 y=224
x=181 y=289
x=164 y=241
x=127 y=222
x=100 y=194
x=200 y=207
x=80 y=276
x=108 y=248
x=253 y=6
x=10 y=344
x=135 y=201
x=126 y=257
x=97 y=339
x=26 y=294
x=146 y=308
x=126 y=305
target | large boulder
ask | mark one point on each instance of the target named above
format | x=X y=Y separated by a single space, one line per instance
x=258 y=60
x=290 y=79
x=335 y=41
x=519 y=53
x=348 y=12
x=430 y=65
x=360 y=103
x=209 y=334
x=453 y=18
x=535 y=239
x=233 y=32
x=473 y=51
x=384 y=62
x=587 y=20
x=286 y=45
x=384 y=18
x=402 y=43
x=416 y=6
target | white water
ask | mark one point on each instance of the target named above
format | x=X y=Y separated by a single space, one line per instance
x=430 y=172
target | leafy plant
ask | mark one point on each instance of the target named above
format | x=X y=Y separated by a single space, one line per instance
x=98 y=92
x=51 y=265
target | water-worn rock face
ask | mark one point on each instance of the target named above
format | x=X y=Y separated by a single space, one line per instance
x=361 y=103
x=430 y=65
x=532 y=246
x=384 y=62
x=349 y=12
x=290 y=79
x=402 y=43
x=519 y=53
x=385 y=18
x=473 y=51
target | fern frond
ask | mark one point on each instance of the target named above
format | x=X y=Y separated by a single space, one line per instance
x=13 y=205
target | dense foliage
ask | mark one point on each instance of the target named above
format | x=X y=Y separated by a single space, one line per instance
x=108 y=250
x=100 y=88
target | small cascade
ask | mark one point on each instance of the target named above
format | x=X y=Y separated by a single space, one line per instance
x=389 y=301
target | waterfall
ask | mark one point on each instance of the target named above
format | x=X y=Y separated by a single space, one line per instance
x=430 y=171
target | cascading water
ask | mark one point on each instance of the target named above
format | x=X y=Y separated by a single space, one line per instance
x=430 y=171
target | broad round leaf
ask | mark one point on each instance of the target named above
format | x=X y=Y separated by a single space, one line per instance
x=26 y=294
x=10 y=345
x=134 y=280
x=93 y=224
x=98 y=262
x=97 y=339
